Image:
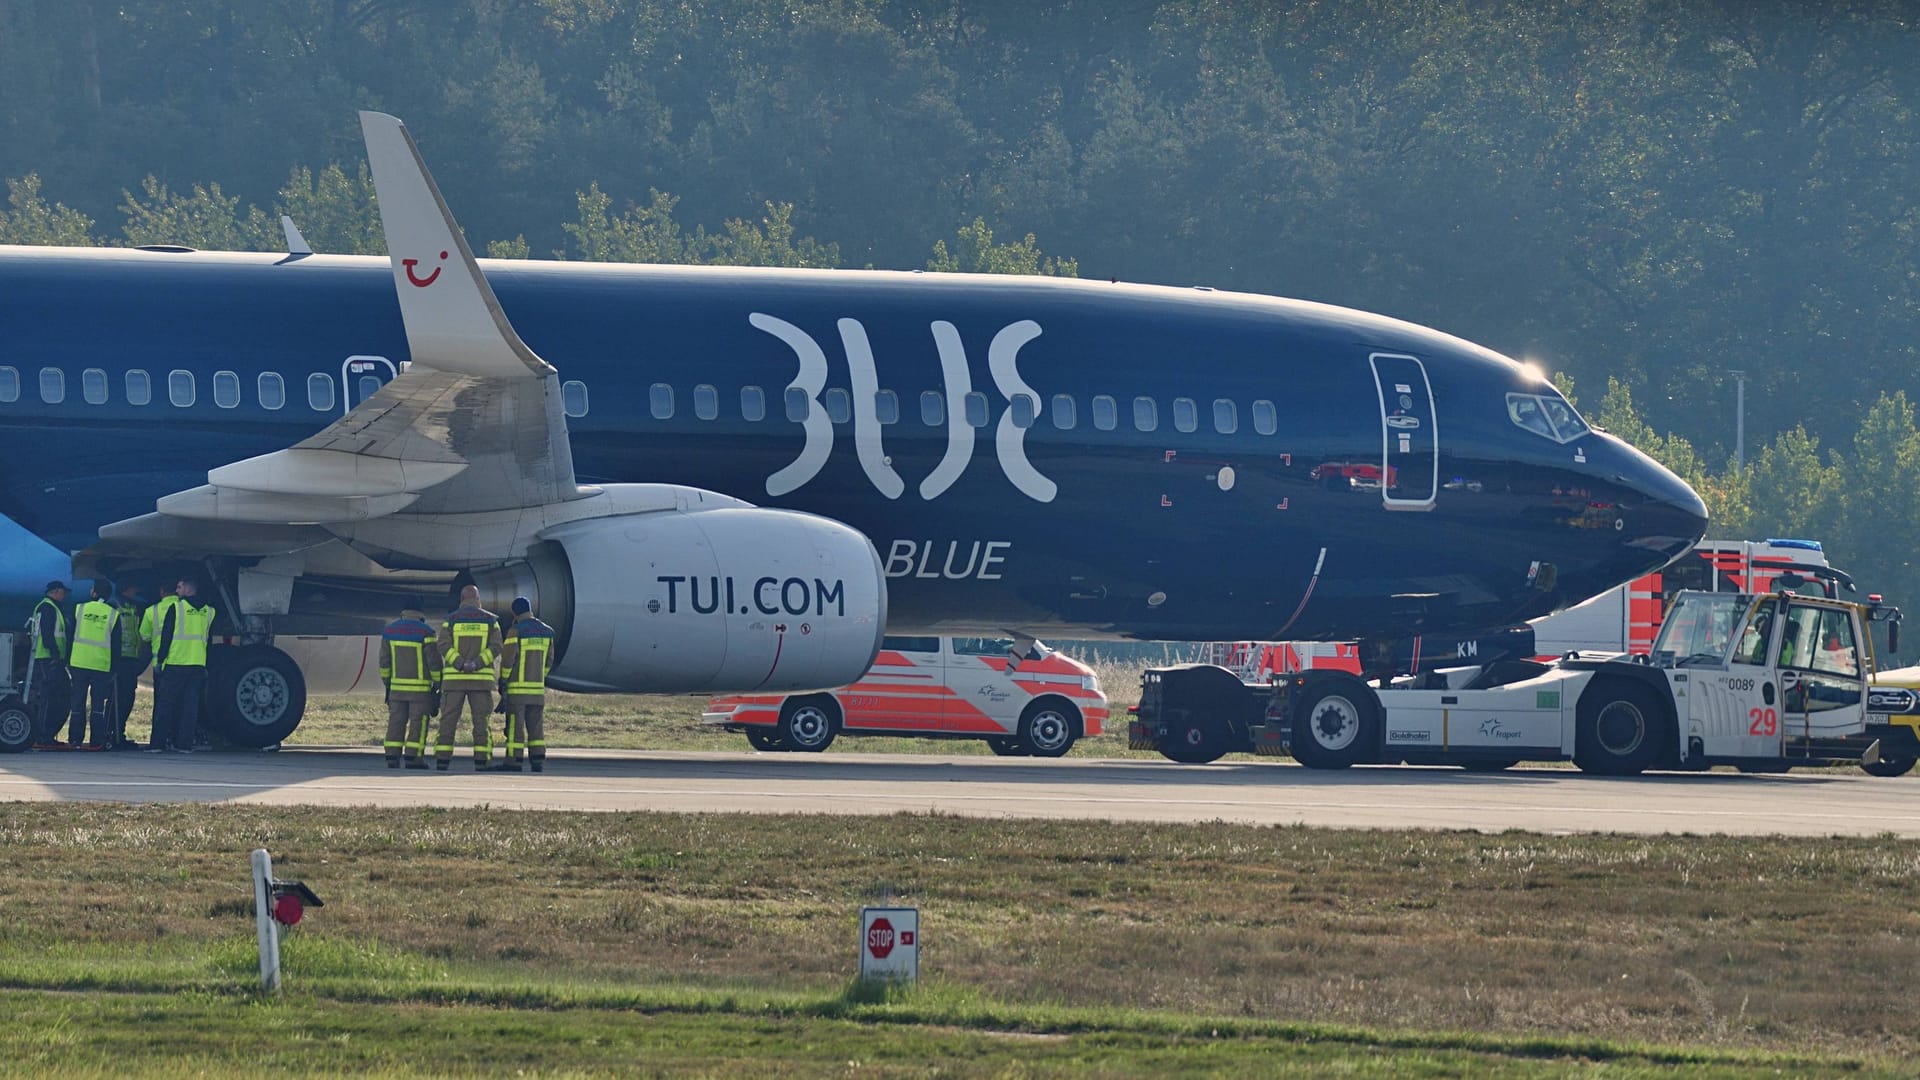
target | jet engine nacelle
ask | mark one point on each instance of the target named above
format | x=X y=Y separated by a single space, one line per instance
x=708 y=601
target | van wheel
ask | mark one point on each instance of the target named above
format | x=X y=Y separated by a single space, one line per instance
x=808 y=724
x=1336 y=726
x=16 y=727
x=1003 y=746
x=763 y=740
x=1888 y=765
x=1620 y=729
x=1048 y=728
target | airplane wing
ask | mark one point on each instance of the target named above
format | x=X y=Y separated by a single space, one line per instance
x=473 y=425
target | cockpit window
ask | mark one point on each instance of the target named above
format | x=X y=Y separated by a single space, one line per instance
x=1545 y=415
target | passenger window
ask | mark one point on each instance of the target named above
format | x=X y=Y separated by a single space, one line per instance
x=9 y=385
x=839 y=405
x=660 y=400
x=1264 y=419
x=982 y=646
x=976 y=409
x=53 y=385
x=1106 y=412
x=886 y=407
x=911 y=644
x=799 y=404
x=933 y=410
x=1146 y=414
x=273 y=390
x=1226 y=416
x=706 y=402
x=181 y=389
x=1023 y=408
x=93 y=386
x=320 y=392
x=139 y=387
x=226 y=389
x=573 y=398
x=1063 y=414
x=753 y=404
x=1186 y=415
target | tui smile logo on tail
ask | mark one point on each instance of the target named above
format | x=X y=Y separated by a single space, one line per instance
x=421 y=282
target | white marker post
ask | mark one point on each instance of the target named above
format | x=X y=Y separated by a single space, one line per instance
x=890 y=944
x=264 y=922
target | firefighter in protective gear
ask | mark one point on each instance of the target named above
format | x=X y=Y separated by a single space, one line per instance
x=128 y=663
x=469 y=651
x=180 y=668
x=51 y=646
x=96 y=641
x=524 y=663
x=410 y=668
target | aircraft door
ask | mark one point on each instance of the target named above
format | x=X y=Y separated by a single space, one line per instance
x=361 y=377
x=1410 y=441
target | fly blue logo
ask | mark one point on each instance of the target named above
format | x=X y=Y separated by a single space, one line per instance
x=1009 y=437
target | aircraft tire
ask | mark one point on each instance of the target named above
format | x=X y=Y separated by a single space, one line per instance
x=1048 y=728
x=256 y=695
x=763 y=740
x=1003 y=746
x=1889 y=765
x=808 y=724
x=1620 y=729
x=16 y=726
x=1337 y=725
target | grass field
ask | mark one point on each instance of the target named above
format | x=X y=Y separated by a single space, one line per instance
x=455 y=941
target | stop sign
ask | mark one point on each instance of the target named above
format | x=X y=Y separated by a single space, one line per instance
x=880 y=938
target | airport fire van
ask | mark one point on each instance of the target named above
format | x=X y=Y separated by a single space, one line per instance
x=1020 y=696
x=1760 y=681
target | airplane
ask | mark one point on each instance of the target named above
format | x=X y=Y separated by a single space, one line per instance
x=717 y=479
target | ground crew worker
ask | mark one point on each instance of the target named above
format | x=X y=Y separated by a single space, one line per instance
x=524 y=661
x=51 y=648
x=96 y=641
x=469 y=647
x=128 y=663
x=180 y=668
x=411 y=669
x=150 y=641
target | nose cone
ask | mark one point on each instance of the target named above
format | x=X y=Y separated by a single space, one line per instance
x=1661 y=515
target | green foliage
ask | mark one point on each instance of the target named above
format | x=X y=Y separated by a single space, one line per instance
x=337 y=213
x=769 y=243
x=33 y=221
x=976 y=253
x=208 y=219
x=516 y=248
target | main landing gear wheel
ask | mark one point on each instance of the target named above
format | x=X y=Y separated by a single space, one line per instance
x=809 y=724
x=1335 y=727
x=255 y=694
x=1620 y=730
x=1889 y=765
x=16 y=726
x=1048 y=728
x=1003 y=746
x=763 y=740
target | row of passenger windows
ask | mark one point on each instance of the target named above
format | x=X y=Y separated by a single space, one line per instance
x=1063 y=409
x=797 y=404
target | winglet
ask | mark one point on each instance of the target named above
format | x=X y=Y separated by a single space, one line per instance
x=454 y=322
x=296 y=244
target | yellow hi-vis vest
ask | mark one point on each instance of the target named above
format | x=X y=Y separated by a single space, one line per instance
x=478 y=629
x=57 y=648
x=93 y=636
x=129 y=628
x=529 y=674
x=190 y=631
x=154 y=616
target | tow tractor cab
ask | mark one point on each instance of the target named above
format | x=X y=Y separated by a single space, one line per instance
x=1022 y=697
x=1759 y=681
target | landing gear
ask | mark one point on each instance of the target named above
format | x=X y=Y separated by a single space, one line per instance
x=256 y=695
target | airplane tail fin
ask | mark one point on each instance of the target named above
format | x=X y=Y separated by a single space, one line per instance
x=454 y=322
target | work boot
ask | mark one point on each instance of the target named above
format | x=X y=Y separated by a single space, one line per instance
x=393 y=763
x=538 y=765
x=481 y=766
x=508 y=766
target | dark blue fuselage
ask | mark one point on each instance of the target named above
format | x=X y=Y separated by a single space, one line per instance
x=1286 y=437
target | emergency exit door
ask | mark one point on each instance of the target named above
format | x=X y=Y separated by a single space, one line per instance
x=1409 y=438
x=362 y=377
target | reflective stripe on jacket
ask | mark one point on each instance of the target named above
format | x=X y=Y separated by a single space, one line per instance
x=93 y=636
x=468 y=640
x=191 y=627
x=130 y=623
x=409 y=661
x=529 y=657
x=57 y=648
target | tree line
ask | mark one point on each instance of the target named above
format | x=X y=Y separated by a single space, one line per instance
x=1643 y=195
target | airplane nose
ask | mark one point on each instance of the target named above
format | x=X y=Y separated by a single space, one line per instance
x=1666 y=516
